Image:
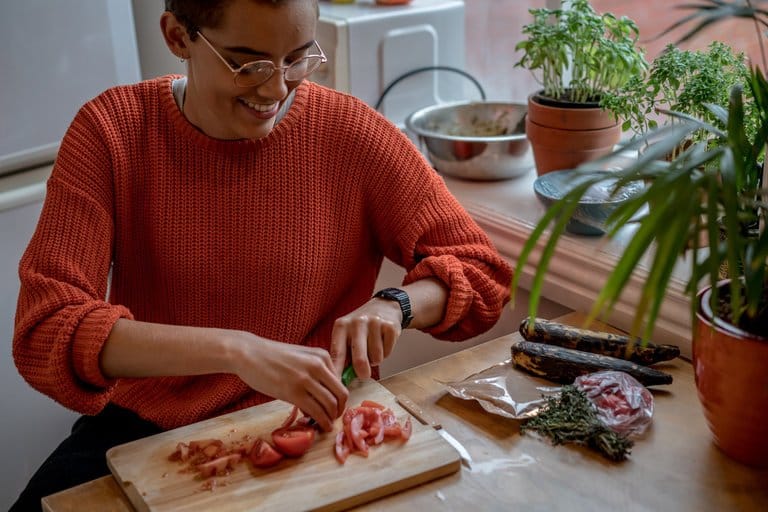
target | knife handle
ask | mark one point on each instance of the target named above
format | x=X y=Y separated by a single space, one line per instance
x=417 y=412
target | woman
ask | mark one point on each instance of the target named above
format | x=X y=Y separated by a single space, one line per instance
x=211 y=242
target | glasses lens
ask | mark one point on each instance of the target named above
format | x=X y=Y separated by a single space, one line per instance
x=255 y=73
x=303 y=67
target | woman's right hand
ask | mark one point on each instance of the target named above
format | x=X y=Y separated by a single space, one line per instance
x=303 y=376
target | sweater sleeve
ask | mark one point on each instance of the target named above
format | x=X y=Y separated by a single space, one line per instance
x=423 y=228
x=62 y=317
x=444 y=243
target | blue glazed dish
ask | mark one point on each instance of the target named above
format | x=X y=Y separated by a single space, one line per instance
x=596 y=205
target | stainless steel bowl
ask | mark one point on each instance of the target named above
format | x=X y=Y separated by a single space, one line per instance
x=477 y=140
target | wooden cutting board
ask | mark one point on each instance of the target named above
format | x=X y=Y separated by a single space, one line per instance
x=316 y=481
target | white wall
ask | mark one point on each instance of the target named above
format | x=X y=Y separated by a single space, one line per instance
x=32 y=424
x=154 y=56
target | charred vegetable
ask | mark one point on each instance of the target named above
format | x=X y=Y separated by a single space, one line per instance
x=563 y=365
x=604 y=343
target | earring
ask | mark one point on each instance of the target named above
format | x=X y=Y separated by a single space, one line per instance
x=181 y=60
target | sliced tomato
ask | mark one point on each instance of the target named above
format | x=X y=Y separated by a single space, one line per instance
x=263 y=455
x=372 y=404
x=291 y=417
x=341 y=448
x=407 y=429
x=357 y=433
x=220 y=466
x=293 y=441
x=181 y=453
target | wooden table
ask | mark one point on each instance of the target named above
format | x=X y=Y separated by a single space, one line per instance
x=674 y=467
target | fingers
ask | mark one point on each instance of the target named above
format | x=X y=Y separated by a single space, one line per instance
x=369 y=339
x=338 y=348
x=325 y=401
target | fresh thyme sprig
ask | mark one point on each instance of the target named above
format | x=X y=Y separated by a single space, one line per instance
x=570 y=418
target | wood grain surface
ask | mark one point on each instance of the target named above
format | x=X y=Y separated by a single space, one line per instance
x=316 y=481
x=675 y=466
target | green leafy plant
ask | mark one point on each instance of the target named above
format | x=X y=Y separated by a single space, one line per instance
x=598 y=51
x=683 y=81
x=711 y=187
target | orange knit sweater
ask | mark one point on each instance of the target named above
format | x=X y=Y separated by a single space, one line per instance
x=277 y=236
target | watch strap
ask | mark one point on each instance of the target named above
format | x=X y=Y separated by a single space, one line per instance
x=401 y=297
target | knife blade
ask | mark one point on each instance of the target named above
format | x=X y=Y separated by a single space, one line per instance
x=426 y=419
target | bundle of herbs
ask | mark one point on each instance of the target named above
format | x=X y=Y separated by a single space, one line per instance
x=569 y=417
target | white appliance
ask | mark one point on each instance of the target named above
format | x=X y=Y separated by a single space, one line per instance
x=369 y=46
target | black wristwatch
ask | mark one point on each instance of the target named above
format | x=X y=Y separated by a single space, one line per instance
x=401 y=297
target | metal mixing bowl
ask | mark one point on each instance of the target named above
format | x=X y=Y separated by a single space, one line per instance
x=477 y=140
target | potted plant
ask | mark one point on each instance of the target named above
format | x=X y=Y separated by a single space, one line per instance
x=714 y=182
x=577 y=55
x=682 y=81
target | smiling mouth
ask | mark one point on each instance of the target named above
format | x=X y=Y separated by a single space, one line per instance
x=257 y=106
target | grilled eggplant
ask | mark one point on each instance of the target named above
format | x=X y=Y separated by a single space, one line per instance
x=563 y=365
x=603 y=343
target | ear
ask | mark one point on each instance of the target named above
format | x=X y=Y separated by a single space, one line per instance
x=175 y=35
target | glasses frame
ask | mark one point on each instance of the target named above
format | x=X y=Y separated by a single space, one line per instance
x=236 y=71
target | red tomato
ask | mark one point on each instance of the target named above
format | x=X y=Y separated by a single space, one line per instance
x=407 y=429
x=263 y=455
x=293 y=441
x=220 y=466
x=342 y=448
x=372 y=404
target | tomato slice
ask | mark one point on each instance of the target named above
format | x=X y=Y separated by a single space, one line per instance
x=372 y=404
x=220 y=466
x=357 y=433
x=263 y=455
x=407 y=429
x=293 y=441
x=342 y=448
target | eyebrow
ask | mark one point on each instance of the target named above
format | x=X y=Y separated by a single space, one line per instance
x=250 y=51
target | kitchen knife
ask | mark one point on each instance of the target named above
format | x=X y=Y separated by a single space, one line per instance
x=419 y=413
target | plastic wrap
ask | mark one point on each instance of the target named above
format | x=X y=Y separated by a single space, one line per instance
x=622 y=403
x=504 y=391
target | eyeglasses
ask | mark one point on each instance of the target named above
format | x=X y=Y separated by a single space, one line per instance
x=257 y=72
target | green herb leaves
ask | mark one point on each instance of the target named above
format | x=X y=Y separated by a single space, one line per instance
x=570 y=418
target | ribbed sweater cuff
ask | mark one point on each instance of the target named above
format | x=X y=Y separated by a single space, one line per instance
x=89 y=339
x=449 y=270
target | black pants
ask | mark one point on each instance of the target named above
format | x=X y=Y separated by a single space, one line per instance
x=82 y=456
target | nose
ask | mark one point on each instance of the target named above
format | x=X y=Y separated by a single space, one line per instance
x=275 y=86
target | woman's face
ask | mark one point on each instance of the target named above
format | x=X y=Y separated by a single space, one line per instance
x=248 y=31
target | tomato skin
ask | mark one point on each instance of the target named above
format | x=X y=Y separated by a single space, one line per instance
x=293 y=441
x=263 y=455
x=341 y=447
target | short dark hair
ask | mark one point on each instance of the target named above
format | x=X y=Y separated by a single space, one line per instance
x=196 y=14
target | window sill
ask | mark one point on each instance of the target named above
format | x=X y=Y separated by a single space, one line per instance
x=508 y=210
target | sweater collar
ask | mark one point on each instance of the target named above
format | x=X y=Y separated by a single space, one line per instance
x=187 y=131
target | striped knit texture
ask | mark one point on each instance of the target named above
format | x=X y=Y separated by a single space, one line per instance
x=277 y=236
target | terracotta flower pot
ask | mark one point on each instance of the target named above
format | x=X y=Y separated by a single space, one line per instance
x=563 y=138
x=731 y=369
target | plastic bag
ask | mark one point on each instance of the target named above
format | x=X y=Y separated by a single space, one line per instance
x=622 y=403
x=504 y=391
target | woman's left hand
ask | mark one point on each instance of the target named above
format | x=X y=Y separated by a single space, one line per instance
x=368 y=333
